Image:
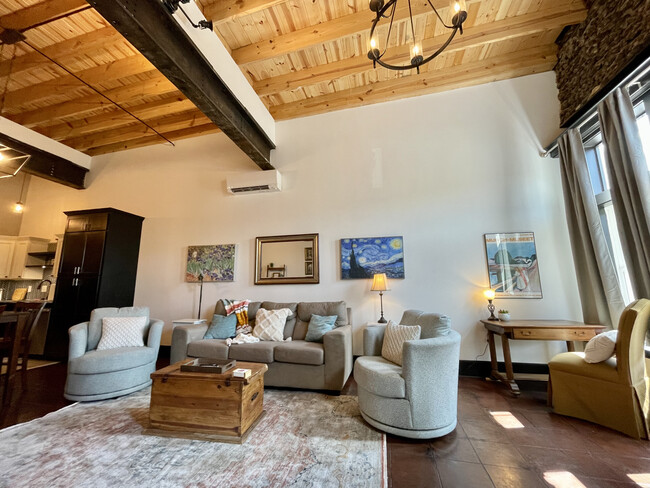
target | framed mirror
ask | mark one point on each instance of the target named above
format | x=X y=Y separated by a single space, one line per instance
x=284 y=260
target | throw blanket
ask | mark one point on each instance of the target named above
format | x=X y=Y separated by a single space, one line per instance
x=242 y=339
x=240 y=309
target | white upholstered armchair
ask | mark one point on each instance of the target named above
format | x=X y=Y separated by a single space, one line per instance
x=418 y=399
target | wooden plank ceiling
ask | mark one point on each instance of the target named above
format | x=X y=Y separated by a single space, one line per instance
x=302 y=57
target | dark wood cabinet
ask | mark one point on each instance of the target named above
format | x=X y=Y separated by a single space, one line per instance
x=98 y=266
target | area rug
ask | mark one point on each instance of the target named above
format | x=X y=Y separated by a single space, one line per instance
x=305 y=439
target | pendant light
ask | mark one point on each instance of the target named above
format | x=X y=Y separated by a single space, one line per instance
x=19 y=206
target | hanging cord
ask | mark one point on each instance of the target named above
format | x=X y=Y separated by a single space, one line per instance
x=412 y=28
x=96 y=91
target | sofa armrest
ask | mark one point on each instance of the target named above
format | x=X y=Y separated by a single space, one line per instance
x=155 y=332
x=182 y=336
x=78 y=340
x=337 y=346
x=430 y=371
x=373 y=339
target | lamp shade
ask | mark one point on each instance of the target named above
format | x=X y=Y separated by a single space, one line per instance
x=379 y=282
x=489 y=294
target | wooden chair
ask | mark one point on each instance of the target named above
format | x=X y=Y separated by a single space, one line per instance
x=11 y=329
x=35 y=309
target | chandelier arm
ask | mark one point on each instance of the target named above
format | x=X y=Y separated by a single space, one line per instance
x=394 y=67
x=380 y=15
x=443 y=47
x=411 y=17
x=438 y=15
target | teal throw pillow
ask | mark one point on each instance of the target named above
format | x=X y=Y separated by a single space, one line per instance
x=222 y=327
x=318 y=326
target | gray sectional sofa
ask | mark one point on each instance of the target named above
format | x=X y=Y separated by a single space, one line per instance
x=295 y=363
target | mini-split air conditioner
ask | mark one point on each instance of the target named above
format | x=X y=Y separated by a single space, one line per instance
x=254 y=182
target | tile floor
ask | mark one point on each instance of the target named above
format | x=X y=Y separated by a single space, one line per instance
x=501 y=441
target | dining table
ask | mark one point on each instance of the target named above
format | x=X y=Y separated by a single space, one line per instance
x=11 y=330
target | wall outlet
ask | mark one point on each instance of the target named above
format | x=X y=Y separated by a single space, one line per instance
x=29 y=289
x=43 y=288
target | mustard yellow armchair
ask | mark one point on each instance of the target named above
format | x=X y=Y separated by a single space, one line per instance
x=614 y=393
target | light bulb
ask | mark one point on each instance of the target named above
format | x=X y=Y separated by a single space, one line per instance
x=489 y=294
x=456 y=7
x=1 y=156
x=373 y=43
x=19 y=207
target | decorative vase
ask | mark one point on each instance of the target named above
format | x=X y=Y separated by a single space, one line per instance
x=504 y=317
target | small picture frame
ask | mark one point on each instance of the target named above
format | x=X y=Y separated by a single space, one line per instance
x=309 y=268
x=309 y=254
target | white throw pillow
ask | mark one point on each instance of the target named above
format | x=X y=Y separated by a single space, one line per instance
x=269 y=324
x=601 y=347
x=122 y=332
x=394 y=338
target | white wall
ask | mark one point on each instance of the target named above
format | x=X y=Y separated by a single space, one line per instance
x=440 y=170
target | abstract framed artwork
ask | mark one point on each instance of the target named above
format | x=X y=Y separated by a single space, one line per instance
x=215 y=263
x=512 y=265
x=361 y=258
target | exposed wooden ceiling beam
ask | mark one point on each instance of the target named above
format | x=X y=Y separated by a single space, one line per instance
x=324 y=32
x=182 y=120
x=222 y=10
x=519 y=63
x=157 y=35
x=176 y=102
x=510 y=28
x=61 y=51
x=133 y=65
x=150 y=140
x=39 y=13
x=156 y=85
x=47 y=165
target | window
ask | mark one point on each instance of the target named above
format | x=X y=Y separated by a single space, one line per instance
x=596 y=154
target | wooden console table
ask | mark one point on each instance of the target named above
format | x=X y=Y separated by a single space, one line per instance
x=529 y=330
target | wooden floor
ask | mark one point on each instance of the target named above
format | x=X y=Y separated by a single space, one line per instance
x=500 y=441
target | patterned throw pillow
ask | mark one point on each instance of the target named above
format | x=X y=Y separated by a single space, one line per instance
x=601 y=347
x=269 y=324
x=221 y=327
x=122 y=332
x=394 y=339
x=240 y=309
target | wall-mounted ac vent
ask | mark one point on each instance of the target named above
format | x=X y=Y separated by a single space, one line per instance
x=254 y=182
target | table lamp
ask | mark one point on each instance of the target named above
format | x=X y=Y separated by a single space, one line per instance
x=489 y=294
x=380 y=284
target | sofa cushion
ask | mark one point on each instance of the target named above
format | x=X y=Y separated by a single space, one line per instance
x=208 y=348
x=269 y=324
x=379 y=376
x=96 y=316
x=318 y=326
x=122 y=332
x=432 y=324
x=109 y=360
x=307 y=309
x=300 y=352
x=222 y=327
x=395 y=337
x=291 y=319
x=257 y=352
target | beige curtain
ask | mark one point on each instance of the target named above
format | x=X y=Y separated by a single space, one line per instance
x=600 y=294
x=630 y=185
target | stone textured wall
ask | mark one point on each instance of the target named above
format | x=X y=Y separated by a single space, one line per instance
x=593 y=52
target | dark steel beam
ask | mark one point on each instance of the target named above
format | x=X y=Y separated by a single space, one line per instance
x=155 y=33
x=47 y=165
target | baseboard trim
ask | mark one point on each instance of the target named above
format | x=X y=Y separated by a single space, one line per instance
x=482 y=369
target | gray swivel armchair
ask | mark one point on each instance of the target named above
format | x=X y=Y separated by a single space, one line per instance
x=110 y=373
x=418 y=399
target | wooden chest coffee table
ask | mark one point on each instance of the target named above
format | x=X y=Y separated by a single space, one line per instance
x=206 y=406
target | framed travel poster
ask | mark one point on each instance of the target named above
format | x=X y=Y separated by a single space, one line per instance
x=512 y=265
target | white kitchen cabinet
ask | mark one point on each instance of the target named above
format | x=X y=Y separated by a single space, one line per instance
x=15 y=262
x=7 y=245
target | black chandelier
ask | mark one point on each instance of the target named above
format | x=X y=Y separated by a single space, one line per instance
x=387 y=11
